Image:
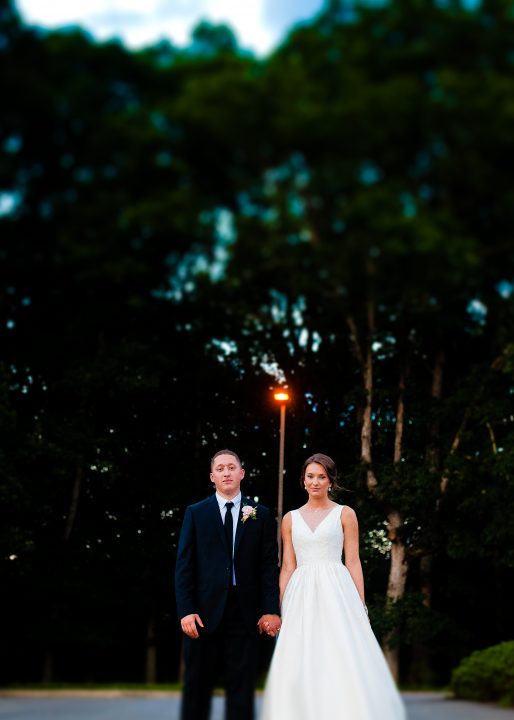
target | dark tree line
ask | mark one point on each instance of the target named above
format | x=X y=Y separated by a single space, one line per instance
x=181 y=229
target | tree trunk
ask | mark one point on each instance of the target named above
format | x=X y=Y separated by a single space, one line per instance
x=420 y=671
x=367 y=376
x=74 y=503
x=48 y=666
x=182 y=663
x=445 y=478
x=433 y=453
x=492 y=438
x=48 y=661
x=497 y=364
x=400 y=421
x=365 y=360
x=395 y=586
x=151 y=653
x=420 y=665
x=398 y=567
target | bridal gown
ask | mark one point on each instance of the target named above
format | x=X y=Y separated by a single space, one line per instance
x=327 y=663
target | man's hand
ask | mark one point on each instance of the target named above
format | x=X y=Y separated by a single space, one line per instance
x=188 y=624
x=269 y=624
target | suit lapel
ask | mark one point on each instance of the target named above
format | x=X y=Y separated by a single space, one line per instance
x=215 y=515
x=240 y=523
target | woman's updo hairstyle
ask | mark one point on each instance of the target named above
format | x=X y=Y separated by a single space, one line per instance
x=330 y=468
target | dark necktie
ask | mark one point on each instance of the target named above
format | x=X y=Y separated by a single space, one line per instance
x=229 y=526
x=229 y=533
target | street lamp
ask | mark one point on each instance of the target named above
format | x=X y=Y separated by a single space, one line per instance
x=282 y=397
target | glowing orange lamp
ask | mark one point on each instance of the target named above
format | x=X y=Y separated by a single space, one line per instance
x=282 y=397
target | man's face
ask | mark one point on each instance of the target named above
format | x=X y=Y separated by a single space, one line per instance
x=226 y=474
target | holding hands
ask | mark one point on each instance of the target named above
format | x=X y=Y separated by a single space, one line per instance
x=270 y=624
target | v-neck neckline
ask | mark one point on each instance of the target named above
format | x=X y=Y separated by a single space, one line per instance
x=320 y=522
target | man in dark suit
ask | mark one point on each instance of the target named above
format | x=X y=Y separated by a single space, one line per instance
x=226 y=584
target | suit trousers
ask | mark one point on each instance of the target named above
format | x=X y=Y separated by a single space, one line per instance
x=232 y=646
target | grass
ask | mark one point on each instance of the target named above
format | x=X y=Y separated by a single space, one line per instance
x=163 y=687
x=423 y=687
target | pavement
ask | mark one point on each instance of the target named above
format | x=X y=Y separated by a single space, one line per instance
x=116 y=705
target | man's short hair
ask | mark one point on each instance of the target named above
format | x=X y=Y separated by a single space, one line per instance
x=226 y=452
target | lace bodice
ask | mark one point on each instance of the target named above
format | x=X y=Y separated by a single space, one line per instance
x=324 y=544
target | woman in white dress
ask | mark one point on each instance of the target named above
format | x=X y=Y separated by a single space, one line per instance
x=327 y=663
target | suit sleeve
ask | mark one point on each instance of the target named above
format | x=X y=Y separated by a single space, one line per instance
x=269 y=566
x=185 y=570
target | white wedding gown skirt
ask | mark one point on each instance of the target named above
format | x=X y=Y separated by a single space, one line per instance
x=327 y=663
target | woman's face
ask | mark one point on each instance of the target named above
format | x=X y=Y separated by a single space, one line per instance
x=316 y=481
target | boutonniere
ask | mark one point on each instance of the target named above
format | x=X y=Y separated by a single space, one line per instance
x=248 y=512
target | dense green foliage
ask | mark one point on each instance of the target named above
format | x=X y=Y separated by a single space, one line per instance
x=180 y=228
x=486 y=675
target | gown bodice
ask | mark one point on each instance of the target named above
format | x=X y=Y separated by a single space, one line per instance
x=322 y=545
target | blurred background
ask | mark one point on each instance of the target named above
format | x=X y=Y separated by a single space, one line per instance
x=319 y=197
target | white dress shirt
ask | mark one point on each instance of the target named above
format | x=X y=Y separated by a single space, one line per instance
x=222 y=501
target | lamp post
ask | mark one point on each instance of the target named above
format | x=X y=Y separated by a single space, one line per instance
x=282 y=398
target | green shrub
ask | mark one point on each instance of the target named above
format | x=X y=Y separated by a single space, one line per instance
x=486 y=675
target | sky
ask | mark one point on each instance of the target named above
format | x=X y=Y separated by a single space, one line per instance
x=258 y=24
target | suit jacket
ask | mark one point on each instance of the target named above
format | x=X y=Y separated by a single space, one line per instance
x=202 y=575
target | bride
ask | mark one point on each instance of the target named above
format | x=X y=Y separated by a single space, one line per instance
x=327 y=662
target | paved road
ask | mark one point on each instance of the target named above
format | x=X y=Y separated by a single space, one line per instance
x=420 y=706
x=435 y=706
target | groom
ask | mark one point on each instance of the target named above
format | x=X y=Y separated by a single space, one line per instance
x=226 y=584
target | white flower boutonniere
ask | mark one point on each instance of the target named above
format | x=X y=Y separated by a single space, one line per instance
x=248 y=512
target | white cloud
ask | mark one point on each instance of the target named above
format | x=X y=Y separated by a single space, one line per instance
x=247 y=19
x=143 y=22
x=60 y=12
